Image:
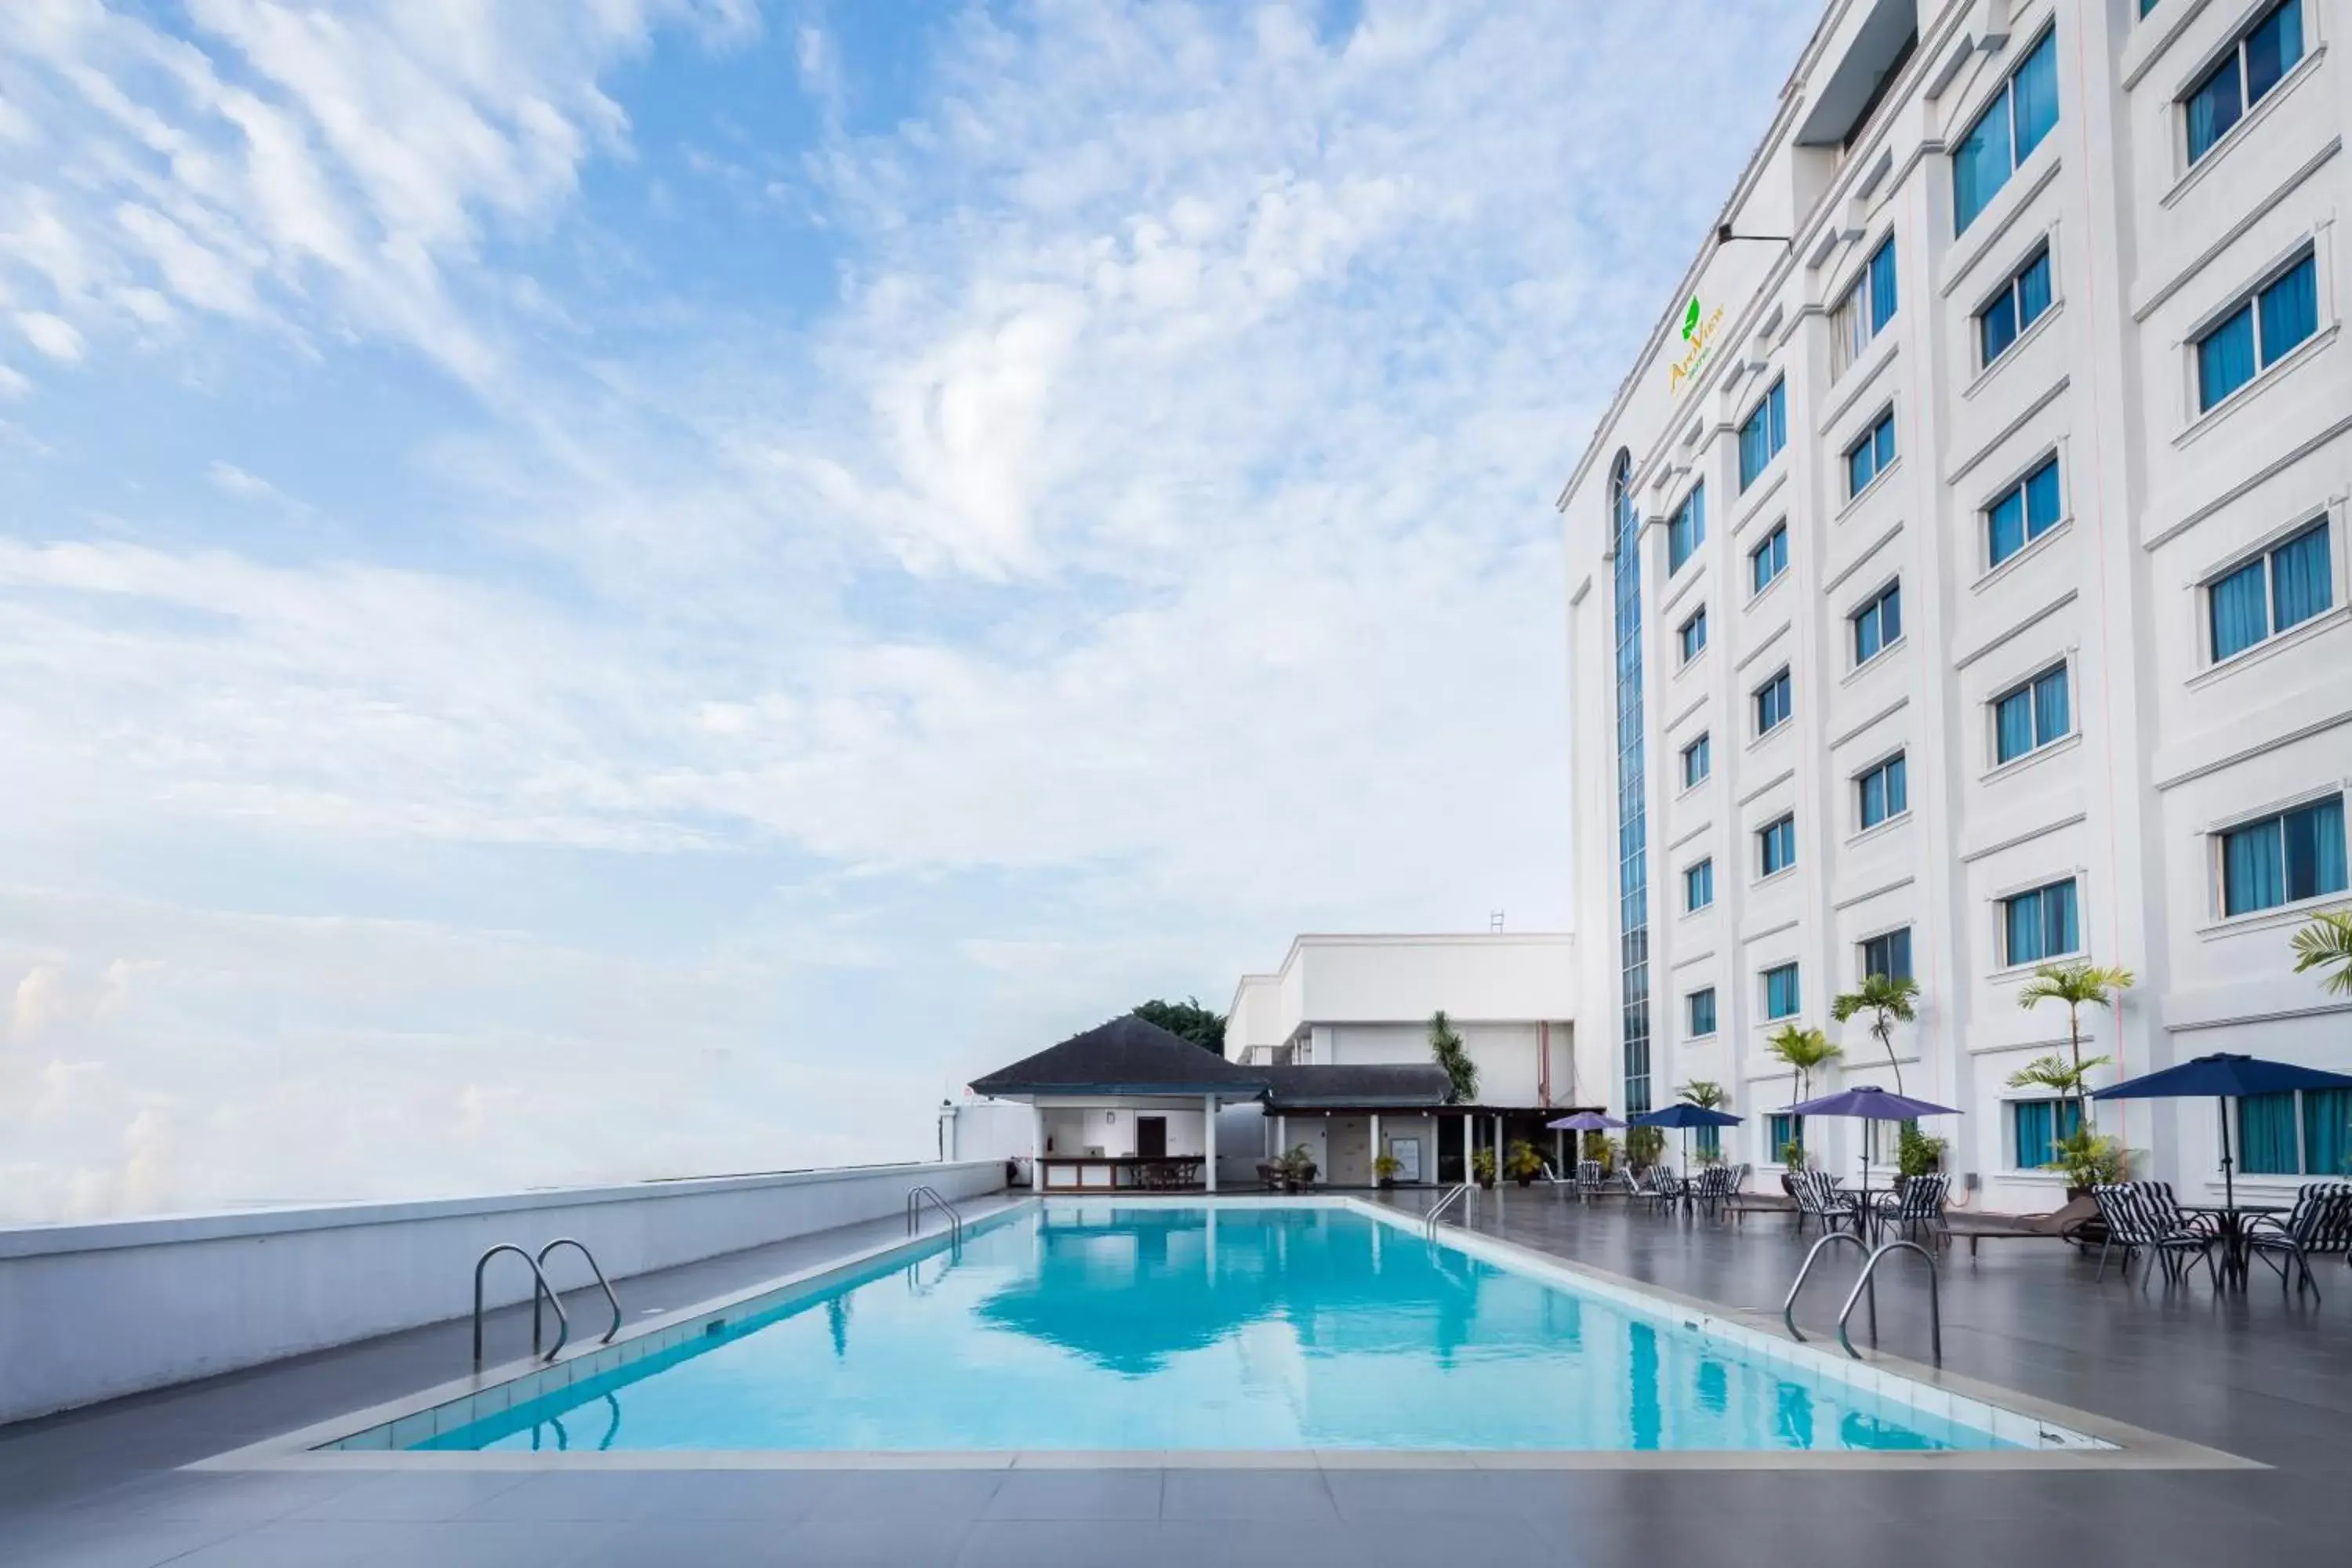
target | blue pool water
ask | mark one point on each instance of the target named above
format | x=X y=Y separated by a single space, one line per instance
x=1109 y=1327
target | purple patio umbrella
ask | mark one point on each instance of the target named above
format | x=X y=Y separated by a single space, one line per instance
x=1868 y=1102
x=1582 y=1122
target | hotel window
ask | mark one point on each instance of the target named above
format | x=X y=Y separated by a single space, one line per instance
x=1781 y=1000
x=2284 y=859
x=1764 y=434
x=2038 y=1125
x=1697 y=762
x=1691 y=636
x=2254 y=66
x=1785 y=1131
x=1878 y=625
x=1886 y=793
x=2281 y=588
x=1702 y=1012
x=2264 y=327
x=1770 y=558
x=1869 y=457
x=1866 y=308
x=1687 y=530
x=2018 y=306
x=1698 y=886
x=2011 y=126
x=2040 y=925
x=2024 y=512
x=1774 y=700
x=1776 y=845
x=2267 y=1126
x=2028 y=717
x=1889 y=955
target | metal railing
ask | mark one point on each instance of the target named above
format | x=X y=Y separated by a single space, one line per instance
x=1454 y=1194
x=1788 y=1306
x=606 y=1284
x=1935 y=1300
x=539 y=1288
x=928 y=1194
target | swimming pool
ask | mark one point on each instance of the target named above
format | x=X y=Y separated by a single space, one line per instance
x=1099 y=1326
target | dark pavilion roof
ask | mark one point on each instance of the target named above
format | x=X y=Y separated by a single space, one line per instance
x=1417 y=1085
x=1126 y=1055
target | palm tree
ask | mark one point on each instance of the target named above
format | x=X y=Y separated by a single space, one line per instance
x=2325 y=945
x=1889 y=1002
x=1461 y=1072
x=2078 y=984
x=1803 y=1049
x=1705 y=1093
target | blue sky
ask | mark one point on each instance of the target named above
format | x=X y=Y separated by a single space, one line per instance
x=647 y=587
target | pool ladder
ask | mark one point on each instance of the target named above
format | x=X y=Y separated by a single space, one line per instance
x=918 y=1196
x=1454 y=1194
x=542 y=1292
x=1868 y=1285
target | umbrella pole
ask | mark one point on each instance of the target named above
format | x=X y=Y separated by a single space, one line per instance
x=2228 y=1181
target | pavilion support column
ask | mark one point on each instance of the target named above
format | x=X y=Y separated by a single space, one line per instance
x=1373 y=1169
x=1209 y=1142
x=1037 y=1146
x=1281 y=1136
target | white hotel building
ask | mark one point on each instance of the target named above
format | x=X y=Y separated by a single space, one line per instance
x=1963 y=582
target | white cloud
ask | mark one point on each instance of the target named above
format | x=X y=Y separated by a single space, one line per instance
x=53 y=335
x=232 y=481
x=13 y=382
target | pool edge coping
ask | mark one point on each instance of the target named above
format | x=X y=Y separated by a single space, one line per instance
x=305 y=1448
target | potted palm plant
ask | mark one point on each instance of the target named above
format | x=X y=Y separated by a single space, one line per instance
x=1385 y=1167
x=1482 y=1167
x=1523 y=1164
x=1805 y=1050
x=1298 y=1170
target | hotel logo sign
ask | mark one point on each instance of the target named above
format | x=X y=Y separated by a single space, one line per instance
x=1700 y=327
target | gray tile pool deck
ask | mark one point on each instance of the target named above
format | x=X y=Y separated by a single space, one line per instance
x=2260 y=1376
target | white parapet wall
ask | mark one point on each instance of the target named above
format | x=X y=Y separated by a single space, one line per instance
x=94 y=1312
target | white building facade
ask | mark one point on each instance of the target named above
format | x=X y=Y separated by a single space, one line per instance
x=1960 y=580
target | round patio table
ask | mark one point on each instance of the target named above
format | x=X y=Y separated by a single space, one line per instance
x=2236 y=1258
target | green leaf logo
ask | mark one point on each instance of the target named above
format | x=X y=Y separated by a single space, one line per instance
x=1690 y=319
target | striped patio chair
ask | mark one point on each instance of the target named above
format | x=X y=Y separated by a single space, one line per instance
x=2144 y=1215
x=1819 y=1198
x=1918 y=1207
x=2321 y=1224
x=1590 y=1180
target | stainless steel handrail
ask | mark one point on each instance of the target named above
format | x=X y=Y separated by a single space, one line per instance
x=1788 y=1306
x=1934 y=1299
x=1454 y=1195
x=538 y=1287
x=915 y=1200
x=612 y=1300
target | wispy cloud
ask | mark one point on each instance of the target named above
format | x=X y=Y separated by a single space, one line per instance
x=1137 y=548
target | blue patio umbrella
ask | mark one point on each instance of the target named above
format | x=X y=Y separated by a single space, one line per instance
x=2222 y=1077
x=1868 y=1102
x=1685 y=1115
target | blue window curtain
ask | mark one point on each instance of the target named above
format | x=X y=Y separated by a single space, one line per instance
x=2050 y=717
x=1898 y=786
x=2005 y=526
x=2013 y=725
x=2033 y=291
x=2060 y=931
x=1687 y=530
x=2327 y=1133
x=1787 y=1130
x=2266 y=1135
x=1997 y=328
x=1781 y=999
x=2289 y=308
x=1881 y=286
x=1770 y=557
x=1890 y=615
x=1883 y=439
x=2312 y=846
x=2302 y=584
x=2239 y=609
x=2041 y=925
x=2252 y=869
x=1858 y=469
x=1751 y=448
x=1702 y=1012
x=1708 y=1141
x=2035 y=1126
x=2225 y=358
x=1776 y=403
x=2272 y=49
x=1873 y=797
x=2214 y=106
x=1889 y=955
x=2035 y=89
x=2042 y=499
x=1980 y=164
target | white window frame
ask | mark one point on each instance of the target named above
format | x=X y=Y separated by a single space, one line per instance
x=1853 y=790
x=1893 y=580
x=1756 y=692
x=1999 y=912
x=2040 y=668
x=2217 y=862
